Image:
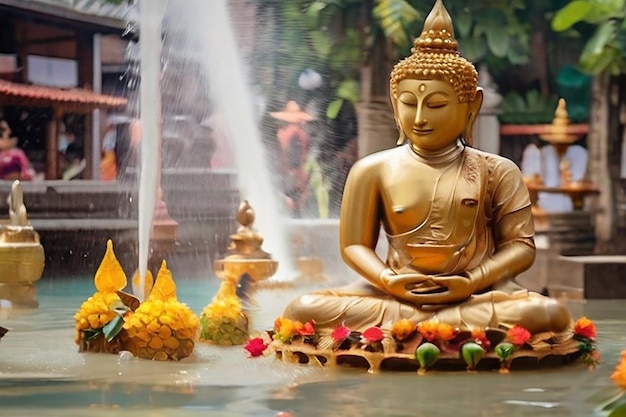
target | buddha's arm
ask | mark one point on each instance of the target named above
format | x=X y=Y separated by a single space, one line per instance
x=515 y=251
x=359 y=223
x=513 y=228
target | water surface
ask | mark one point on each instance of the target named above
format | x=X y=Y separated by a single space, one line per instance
x=42 y=374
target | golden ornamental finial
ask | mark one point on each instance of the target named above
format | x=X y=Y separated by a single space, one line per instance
x=438 y=32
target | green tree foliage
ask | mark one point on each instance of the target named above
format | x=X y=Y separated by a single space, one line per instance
x=605 y=51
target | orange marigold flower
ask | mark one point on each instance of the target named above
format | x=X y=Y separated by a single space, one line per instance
x=402 y=330
x=286 y=329
x=277 y=323
x=619 y=375
x=585 y=328
x=480 y=336
x=428 y=329
x=445 y=332
x=518 y=335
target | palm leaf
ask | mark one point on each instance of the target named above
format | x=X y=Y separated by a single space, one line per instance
x=393 y=16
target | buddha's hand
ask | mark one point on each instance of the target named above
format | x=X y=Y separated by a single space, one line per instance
x=406 y=285
x=454 y=288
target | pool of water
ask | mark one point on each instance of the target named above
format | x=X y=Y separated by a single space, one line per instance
x=42 y=373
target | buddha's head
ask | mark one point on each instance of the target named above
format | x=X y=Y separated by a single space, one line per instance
x=434 y=91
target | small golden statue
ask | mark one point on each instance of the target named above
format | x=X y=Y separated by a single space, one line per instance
x=458 y=220
x=22 y=257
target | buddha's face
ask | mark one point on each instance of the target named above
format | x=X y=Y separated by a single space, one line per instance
x=430 y=114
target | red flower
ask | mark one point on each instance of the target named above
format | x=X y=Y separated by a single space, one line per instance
x=307 y=329
x=256 y=346
x=518 y=335
x=372 y=335
x=340 y=334
x=585 y=328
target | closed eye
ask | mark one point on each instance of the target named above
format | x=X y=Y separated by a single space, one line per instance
x=408 y=99
x=437 y=104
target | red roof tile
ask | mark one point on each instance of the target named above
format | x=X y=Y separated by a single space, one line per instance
x=50 y=95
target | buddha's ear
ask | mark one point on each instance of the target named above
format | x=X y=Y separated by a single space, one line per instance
x=394 y=104
x=472 y=115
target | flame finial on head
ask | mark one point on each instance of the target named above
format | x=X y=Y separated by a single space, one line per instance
x=438 y=32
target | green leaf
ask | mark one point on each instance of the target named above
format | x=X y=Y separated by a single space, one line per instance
x=498 y=40
x=473 y=49
x=505 y=350
x=606 y=9
x=92 y=334
x=574 y=12
x=394 y=16
x=463 y=23
x=598 y=55
x=517 y=52
x=348 y=90
x=618 y=412
x=314 y=9
x=605 y=33
x=113 y=328
x=322 y=43
x=333 y=108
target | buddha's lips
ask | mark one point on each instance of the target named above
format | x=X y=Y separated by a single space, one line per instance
x=422 y=131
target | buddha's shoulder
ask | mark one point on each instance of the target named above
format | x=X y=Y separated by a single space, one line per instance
x=494 y=162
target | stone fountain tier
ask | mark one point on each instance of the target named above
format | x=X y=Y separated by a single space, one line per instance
x=257 y=269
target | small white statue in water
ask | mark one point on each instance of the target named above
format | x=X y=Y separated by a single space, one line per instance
x=17 y=209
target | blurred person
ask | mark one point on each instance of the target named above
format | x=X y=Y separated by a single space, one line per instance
x=75 y=162
x=294 y=145
x=108 y=163
x=14 y=164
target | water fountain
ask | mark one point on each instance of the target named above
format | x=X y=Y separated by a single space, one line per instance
x=41 y=373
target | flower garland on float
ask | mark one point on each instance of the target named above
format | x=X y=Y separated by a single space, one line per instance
x=425 y=344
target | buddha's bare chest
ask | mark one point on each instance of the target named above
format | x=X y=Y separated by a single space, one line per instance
x=408 y=197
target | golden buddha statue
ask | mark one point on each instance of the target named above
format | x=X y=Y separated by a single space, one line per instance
x=458 y=220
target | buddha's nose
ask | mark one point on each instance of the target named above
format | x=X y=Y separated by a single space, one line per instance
x=419 y=122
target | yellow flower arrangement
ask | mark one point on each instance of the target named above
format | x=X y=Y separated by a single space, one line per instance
x=162 y=328
x=223 y=321
x=100 y=309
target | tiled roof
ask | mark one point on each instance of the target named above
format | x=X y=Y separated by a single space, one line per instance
x=99 y=12
x=46 y=96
